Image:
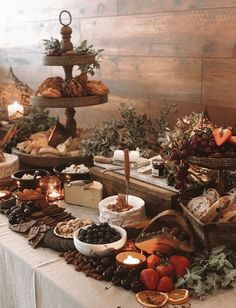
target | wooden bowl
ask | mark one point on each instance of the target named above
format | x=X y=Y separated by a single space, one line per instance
x=29 y=183
x=69 y=177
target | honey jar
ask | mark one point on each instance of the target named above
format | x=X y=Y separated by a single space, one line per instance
x=158 y=168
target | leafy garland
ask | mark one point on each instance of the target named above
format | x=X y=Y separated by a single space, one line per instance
x=210 y=271
x=130 y=131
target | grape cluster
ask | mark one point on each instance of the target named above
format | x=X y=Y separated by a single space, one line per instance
x=119 y=276
x=99 y=234
x=20 y=214
x=201 y=144
x=105 y=268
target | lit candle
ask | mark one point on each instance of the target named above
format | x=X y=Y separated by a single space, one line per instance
x=54 y=195
x=131 y=260
x=5 y=194
x=2 y=194
x=15 y=110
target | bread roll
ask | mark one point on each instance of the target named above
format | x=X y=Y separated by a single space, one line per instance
x=212 y=194
x=199 y=206
x=215 y=210
x=228 y=216
x=51 y=87
x=49 y=151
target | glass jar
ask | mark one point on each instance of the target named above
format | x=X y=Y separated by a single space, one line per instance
x=158 y=168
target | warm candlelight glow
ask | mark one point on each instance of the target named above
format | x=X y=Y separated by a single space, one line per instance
x=54 y=195
x=131 y=260
x=15 y=110
x=5 y=194
x=2 y=194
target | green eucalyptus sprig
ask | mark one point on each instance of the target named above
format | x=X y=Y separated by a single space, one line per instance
x=210 y=271
x=85 y=49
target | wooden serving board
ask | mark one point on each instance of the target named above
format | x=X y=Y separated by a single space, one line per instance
x=50 y=161
x=66 y=102
x=213 y=163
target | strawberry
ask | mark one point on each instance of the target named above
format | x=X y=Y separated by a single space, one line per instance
x=153 y=261
x=181 y=264
x=165 y=284
x=149 y=278
x=221 y=135
x=166 y=269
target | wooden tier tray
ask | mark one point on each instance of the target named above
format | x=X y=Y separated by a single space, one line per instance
x=213 y=163
x=51 y=161
x=68 y=102
x=69 y=60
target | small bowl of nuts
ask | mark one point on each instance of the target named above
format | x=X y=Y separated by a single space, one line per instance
x=73 y=172
x=99 y=239
x=66 y=229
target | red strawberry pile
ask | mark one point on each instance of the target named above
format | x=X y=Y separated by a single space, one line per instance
x=161 y=273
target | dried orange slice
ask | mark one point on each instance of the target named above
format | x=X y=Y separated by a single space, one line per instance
x=178 y=296
x=152 y=298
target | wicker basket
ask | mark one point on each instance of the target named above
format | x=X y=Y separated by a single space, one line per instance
x=212 y=234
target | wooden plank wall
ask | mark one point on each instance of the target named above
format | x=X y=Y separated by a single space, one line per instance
x=156 y=51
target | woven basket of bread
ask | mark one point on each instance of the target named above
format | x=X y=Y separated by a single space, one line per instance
x=213 y=217
x=212 y=163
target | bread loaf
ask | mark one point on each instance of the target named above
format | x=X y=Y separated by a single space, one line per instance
x=96 y=88
x=215 y=210
x=212 y=194
x=51 y=87
x=228 y=216
x=199 y=206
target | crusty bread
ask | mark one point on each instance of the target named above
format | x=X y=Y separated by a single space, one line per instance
x=232 y=193
x=212 y=194
x=228 y=216
x=49 y=151
x=51 y=87
x=199 y=206
x=216 y=209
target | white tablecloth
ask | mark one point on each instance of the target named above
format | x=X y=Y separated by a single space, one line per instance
x=38 y=278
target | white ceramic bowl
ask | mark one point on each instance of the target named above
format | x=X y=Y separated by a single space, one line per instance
x=136 y=213
x=99 y=249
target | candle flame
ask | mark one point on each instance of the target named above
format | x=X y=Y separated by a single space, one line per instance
x=131 y=260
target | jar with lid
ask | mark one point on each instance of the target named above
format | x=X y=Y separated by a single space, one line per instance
x=158 y=168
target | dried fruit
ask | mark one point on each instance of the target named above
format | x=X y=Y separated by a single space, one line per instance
x=178 y=297
x=152 y=299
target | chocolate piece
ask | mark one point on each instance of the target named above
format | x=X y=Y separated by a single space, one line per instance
x=36 y=240
x=23 y=227
x=34 y=231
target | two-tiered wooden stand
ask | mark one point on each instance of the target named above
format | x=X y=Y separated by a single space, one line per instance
x=68 y=62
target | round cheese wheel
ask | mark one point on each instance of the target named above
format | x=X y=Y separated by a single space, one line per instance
x=9 y=166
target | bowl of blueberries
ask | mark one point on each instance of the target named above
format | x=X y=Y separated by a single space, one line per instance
x=99 y=239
